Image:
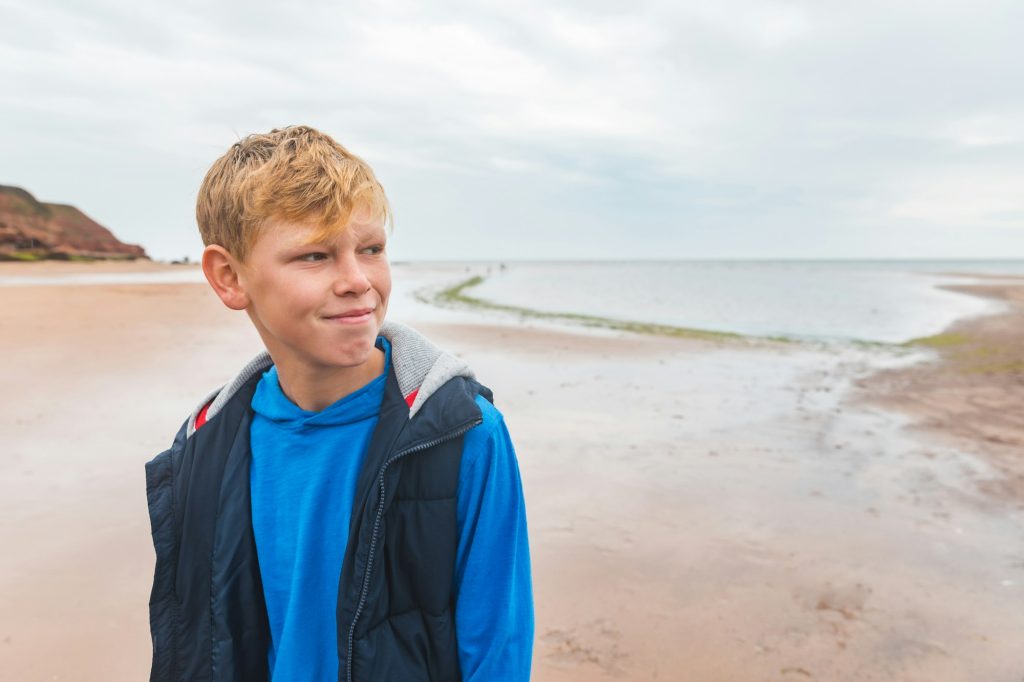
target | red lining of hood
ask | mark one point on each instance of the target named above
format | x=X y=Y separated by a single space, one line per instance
x=201 y=417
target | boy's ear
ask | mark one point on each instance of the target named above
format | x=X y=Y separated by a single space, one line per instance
x=221 y=270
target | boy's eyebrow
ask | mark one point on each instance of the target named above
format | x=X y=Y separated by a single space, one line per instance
x=311 y=240
x=376 y=232
x=303 y=242
x=320 y=238
x=319 y=235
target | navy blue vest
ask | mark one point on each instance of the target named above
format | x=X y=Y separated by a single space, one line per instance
x=395 y=612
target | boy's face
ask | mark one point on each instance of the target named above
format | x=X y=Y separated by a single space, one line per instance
x=318 y=305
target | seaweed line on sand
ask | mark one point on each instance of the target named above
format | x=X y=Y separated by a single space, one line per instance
x=455 y=296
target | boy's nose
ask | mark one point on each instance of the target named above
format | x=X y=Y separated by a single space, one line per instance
x=350 y=278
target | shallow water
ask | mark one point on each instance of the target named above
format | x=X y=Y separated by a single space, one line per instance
x=883 y=301
x=183 y=275
x=888 y=302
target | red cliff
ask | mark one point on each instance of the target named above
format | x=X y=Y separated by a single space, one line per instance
x=31 y=229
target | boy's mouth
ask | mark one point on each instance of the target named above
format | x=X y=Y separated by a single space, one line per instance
x=352 y=316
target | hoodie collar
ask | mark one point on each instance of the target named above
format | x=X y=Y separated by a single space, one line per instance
x=270 y=401
x=419 y=366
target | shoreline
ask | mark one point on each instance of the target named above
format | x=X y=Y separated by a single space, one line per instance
x=454 y=296
x=51 y=267
x=745 y=511
x=971 y=394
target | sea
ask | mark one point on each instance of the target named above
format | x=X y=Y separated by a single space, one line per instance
x=886 y=301
x=832 y=301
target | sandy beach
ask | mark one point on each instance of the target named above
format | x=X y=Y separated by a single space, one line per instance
x=699 y=510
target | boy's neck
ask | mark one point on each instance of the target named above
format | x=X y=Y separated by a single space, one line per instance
x=314 y=389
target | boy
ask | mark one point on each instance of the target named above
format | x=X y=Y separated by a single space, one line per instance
x=349 y=506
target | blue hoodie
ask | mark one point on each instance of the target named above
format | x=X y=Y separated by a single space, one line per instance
x=303 y=478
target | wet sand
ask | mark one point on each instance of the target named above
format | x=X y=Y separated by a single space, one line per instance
x=698 y=510
x=974 y=397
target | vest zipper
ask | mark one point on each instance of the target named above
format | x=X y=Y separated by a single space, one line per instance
x=376 y=529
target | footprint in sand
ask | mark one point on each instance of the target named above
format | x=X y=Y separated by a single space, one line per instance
x=595 y=643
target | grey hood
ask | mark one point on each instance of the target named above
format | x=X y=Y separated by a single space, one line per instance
x=419 y=366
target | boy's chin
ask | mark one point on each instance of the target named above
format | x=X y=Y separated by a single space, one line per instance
x=353 y=356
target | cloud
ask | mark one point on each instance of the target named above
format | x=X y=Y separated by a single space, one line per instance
x=966 y=200
x=739 y=127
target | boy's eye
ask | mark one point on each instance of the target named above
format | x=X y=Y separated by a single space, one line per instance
x=313 y=256
x=374 y=250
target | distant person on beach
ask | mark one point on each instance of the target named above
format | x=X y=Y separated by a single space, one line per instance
x=349 y=506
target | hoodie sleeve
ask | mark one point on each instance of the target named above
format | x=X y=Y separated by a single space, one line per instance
x=492 y=581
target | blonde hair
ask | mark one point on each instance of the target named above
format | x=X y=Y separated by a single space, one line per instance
x=297 y=174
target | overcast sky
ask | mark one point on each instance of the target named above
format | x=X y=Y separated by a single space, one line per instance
x=546 y=129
